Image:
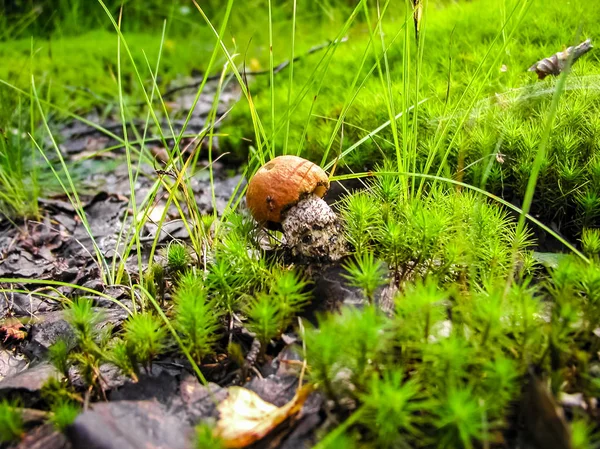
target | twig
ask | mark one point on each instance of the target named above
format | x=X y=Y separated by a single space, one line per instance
x=555 y=64
x=276 y=69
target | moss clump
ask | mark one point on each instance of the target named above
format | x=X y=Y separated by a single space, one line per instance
x=446 y=368
x=64 y=414
x=454 y=236
x=196 y=317
x=11 y=422
x=145 y=337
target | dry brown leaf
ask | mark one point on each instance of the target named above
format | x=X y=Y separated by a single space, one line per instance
x=245 y=418
x=12 y=328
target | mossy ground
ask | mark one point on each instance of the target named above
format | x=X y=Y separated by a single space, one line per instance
x=469 y=63
x=476 y=327
x=462 y=72
x=77 y=70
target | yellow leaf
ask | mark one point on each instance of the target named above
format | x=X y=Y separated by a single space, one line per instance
x=245 y=418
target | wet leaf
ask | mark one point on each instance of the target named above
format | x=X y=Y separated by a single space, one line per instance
x=245 y=418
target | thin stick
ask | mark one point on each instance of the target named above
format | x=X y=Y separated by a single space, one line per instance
x=276 y=69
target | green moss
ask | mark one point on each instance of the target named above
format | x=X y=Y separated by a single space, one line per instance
x=77 y=69
x=366 y=273
x=145 y=337
x=449 y=235
x=80 y=73
x=64 y=414
x=454 y=359
x=482 y=118
x=196 y=317
x=178 y=258
x=472 y=312
x=11 y=422
x=58 y=354
x=270 y=312
x=205 y=437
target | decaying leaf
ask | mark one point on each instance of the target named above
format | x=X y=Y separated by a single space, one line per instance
x=556 y=63
x=245 y=418
x=544 y=420
x=12 y=328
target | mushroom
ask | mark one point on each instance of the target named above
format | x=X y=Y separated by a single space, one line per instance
x=286 y=193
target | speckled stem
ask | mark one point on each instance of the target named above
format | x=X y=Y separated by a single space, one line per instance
x=313 y=230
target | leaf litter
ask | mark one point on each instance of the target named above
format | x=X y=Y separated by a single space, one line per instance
x=161 y=408
x=59 y=248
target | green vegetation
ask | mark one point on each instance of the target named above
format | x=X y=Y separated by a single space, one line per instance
x=58 y=354
x=145 y=337
x=196 y=317
x=590 y=242
x=11 y=422
x=64 y=414
x=19 y=193
x=482 y=114
x=205 y=438
x=270 y=313
x=88 y=353
x=463 y=161
x=366 y=274
x=453 y=380
x=19 y=183
x=178 y=258
x=75 y=65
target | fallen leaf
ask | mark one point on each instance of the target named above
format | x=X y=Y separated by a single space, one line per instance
x=12 y=328
x=245 y=418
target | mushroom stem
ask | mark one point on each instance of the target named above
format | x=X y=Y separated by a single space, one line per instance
x=313 y=230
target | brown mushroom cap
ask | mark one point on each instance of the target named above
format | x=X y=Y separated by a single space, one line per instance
x=280 y=184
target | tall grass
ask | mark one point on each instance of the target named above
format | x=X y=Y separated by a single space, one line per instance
x=375 y=61
x=19 y=187
x=402 y=98
x=405 y=137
